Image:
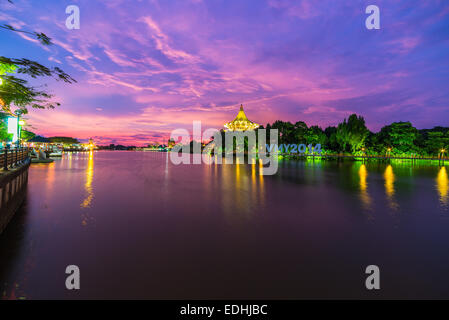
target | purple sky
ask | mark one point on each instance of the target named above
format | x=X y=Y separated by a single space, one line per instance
x=145 y=68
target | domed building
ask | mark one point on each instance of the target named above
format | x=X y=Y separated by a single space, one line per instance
x=241 y=122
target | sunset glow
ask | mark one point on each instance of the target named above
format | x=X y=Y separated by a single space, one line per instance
x=146 y=68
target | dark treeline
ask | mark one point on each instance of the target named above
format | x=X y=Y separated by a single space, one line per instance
x=353 y=137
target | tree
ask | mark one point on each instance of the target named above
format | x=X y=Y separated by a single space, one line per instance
x=17 y=92
x=351 y=134
x=331 y=139
x=43 y=39
x=27 y=135
x=435 y=141
x=65 y=140
x=286 y=131
x=400 y=136
x=315 y=135
x=289 y=132
x=4 y=135
x=300 y=132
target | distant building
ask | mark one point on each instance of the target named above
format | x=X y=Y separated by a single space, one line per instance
x=241 y=123
x=90 y=145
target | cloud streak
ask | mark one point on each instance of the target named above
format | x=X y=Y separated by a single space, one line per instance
x=144 y=69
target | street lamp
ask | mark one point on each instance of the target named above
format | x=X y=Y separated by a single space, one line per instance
x=442 y=151
x=364 y=154
x=20 y=123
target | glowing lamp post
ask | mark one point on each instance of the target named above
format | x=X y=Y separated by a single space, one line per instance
x=21 y=124
x=364 y=154
x=14 y=127
x=19 y=127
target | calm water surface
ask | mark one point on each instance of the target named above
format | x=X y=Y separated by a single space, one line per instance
x=140 y=227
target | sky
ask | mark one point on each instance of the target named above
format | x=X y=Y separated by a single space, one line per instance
x=145 y=68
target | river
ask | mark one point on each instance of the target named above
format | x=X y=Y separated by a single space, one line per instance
x=138 y=226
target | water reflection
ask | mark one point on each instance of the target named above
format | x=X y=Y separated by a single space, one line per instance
x=270 y=225
x=442 y=185
x=50 y=177
x=242 y=190
x=88 y=189
x=389 y=186
x=69 y=157
x=261 y=186
x=166 y=175
x=364 y=196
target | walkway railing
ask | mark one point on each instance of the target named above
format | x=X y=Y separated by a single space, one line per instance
x=12 y=183
x=13 y=157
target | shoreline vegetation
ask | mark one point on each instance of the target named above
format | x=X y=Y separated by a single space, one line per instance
x=349 y=140
x=352 y=140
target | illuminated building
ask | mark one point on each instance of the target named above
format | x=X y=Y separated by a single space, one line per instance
x=171 y=143
x=241 y=122
x=89 y=146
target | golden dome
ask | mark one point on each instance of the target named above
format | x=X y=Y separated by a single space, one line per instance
x=241 y=122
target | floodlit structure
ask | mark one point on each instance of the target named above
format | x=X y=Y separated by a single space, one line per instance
x=241 y=123
x=89 y=146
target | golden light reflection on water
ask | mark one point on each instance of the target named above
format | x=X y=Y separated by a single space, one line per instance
x=389 y=186
x=166 y=175
x=242 y=190
x=261 y=185
x=50 y=177
x=88 y=188
x=366 y=199
x=69 y=159
x=443 y=185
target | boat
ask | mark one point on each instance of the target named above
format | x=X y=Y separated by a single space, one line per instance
x=55 y=151
x=36 y=160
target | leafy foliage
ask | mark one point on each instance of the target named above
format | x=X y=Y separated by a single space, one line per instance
x=352 y=133
x=65 y=140
x=401 y=137
x=27 y=135
x=434 y=140
x=42 y=37
x=352 y=136
x=4 y=135
x=15 y=91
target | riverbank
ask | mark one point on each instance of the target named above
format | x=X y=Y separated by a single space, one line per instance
x=13 y=184
x=373 y=158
